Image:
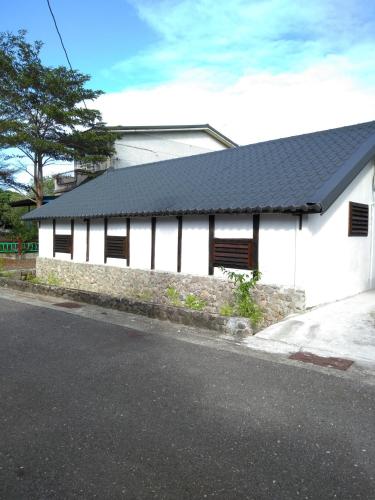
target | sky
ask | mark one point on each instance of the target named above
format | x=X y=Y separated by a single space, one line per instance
x=253 y=69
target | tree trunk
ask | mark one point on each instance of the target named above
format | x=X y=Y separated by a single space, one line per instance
x=38 y=180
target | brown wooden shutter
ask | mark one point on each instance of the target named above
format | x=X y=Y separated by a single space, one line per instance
x=236 y=253
x=358 y=219
x=62 y=243
x=116 y=247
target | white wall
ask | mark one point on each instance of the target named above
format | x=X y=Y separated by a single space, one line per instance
x=337 y=265
x=277 y=236
x=194 y=251
x=140 y=148
x=46 y=239
x=63 y=227
x=116 y=227
x=166 y=241
x=96 y=254
x=79 y=242
x=140 y=243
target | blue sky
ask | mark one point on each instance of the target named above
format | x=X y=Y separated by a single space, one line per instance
x=257 y=69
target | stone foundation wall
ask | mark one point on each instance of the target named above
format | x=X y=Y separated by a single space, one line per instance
x=152 y=286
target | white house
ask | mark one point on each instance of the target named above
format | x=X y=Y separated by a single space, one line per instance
x=137 y=145
x=300 y=209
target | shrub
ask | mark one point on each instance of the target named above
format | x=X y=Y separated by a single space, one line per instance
x=245 y=305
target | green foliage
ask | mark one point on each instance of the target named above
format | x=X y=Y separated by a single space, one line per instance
x=174 y=296
x=227 y=310
x=48 y=187
x=42 y=112
x=194 y=302
x=245 y=305
x=10 y=218
x=52 y=280
x=33 y=279
x=191 y=301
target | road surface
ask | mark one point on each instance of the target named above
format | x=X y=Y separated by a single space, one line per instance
x=91 y=409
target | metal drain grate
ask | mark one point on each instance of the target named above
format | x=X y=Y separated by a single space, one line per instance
x=308 y=357
x=68 y=305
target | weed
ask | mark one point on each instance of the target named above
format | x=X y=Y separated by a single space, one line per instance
x=174 y=296
x=245 y=305
x=144 y=296
x=194 y=302
x=227 y=310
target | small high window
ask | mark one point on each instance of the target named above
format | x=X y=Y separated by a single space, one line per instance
x=62 y=243
x=117 y=247
x=234 y=253
x=358 y=219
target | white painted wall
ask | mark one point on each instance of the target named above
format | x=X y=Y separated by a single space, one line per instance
x=96 y=254
x=166 y=241
x=116 y=227
x=140 y=243
x=232 y=226
x=63 y=227
x=79 y=242
x=140 y=148
x=277 y=252
x=336 y=265
x=194 y=252
x=46 y=239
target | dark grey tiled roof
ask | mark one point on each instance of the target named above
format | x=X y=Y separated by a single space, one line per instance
x=302 y=173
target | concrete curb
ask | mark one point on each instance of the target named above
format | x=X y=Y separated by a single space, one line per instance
x=200 y=319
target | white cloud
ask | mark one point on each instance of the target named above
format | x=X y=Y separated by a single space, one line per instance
x=258 y=106
x=231 y=38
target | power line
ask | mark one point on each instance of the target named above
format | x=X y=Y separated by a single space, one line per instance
x=58 y=32
x=61 y=40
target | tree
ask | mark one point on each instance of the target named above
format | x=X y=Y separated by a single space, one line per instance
x=43 y=112
x=11 y=218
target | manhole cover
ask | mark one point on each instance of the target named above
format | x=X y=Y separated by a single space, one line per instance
x=308 y=357
x=68 y=305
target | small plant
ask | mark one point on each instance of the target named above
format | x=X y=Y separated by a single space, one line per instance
x=194 y=302
x=53 y=280
x=2 y=265
x=245 y=305
x=227 y=310
x=174 y=296
x=33 y=279
x=144 y=296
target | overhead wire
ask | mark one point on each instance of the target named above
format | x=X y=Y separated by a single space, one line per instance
x=61 y=39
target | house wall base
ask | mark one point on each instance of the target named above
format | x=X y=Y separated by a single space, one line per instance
x=152 y=286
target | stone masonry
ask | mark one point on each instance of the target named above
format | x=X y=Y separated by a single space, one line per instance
x=152 y=286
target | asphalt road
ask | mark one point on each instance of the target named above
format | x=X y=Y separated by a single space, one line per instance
x=94 y=410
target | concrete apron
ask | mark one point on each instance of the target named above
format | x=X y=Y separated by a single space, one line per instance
x=344 y=329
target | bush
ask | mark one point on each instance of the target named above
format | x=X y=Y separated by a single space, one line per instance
x=245 y=305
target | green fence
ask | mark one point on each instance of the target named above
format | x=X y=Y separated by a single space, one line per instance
x=19 y=247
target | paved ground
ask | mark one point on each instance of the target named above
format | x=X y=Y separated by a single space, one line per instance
x=92 y=409
x=345 y=328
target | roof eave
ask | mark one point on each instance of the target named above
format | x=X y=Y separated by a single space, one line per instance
x=290 y=209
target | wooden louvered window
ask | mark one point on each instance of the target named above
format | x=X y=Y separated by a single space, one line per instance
x=117 y=247
x=233 y=253
x=358 y=219
x=62 y=243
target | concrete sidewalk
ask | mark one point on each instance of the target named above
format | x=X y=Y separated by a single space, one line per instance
x=344 y=329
